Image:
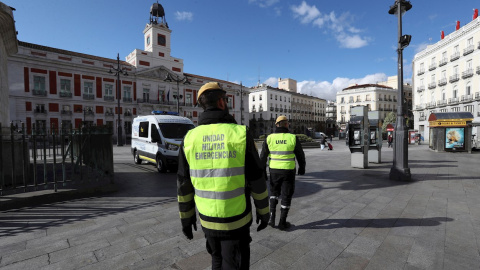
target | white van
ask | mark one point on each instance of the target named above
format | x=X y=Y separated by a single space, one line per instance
x=156 y=138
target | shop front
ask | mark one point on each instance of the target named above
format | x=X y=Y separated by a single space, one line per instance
x=450 y=132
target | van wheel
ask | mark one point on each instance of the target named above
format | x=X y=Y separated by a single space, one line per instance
x=161 y=166
x=136 y=158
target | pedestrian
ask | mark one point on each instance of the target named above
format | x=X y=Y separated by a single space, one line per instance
x=331 y=137
x=280 y=150
x=218 y=169
x=323 y=142
x=390 y=140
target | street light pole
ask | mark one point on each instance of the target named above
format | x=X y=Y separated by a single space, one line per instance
x=400 y=170
x=118 y=70
x=184 y=80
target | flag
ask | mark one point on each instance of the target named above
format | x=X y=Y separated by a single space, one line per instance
x=168 y=96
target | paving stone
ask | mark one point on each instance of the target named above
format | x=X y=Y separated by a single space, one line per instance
x=76 y=262
x=33 y=264
x=120 y=248
x=77 y=250
x=348 y=261
x=198 y=261
x=32 y=253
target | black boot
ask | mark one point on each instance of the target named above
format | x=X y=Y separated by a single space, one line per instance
x=283 y=224
x=273 y=210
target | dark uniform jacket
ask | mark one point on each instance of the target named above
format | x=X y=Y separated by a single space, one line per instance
x=254 y=176
x=298 y=151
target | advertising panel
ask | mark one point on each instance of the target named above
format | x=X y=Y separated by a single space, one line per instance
x=455 y=138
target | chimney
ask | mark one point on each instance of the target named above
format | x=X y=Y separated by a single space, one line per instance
x=442 y=35
x=475 y=13
x=458 y=25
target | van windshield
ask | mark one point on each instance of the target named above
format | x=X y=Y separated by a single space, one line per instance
x=175 y=130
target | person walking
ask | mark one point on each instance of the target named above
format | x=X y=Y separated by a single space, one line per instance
x=323 y=142
x=390 y=141
x=280 y=149
x=218 y=170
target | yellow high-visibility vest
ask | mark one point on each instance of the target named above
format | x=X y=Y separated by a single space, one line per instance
x=281 y=146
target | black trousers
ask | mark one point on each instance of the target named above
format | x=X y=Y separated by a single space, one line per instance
x=283 y=184
x=230 y=253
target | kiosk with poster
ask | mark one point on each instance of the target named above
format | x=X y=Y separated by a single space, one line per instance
x=451 y=132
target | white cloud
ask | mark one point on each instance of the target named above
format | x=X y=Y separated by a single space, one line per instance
x=328 y=90
x=184 y=16
x=340 y=26
x=420 y=47
x=263 y=3
x=272 y=81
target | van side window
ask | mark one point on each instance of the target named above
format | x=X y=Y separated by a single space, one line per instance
x=155 y=135
x=143 y=130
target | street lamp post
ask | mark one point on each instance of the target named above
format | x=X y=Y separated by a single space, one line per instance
x=177 y=79
x=118 y=71
x=400 y=169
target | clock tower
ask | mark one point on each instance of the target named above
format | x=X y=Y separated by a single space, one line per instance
x=157 y=46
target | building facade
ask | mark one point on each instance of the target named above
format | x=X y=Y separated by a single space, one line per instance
x=446 y=77
x=8 y=46
x=50 y=87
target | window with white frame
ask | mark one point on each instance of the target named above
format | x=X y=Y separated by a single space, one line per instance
x=66 y=108
x=65 y=85
x=188 y=99
x=260 y=98
x=468 y=90
x=88 y=87
x=108 y=90
x=127 y=92
x=455 y=70
x=468 y=108
x=455 y=109
x=146 y=94
x=39 y=83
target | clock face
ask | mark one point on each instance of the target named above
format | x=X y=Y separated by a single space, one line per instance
x=148 y=40
x=161 y=40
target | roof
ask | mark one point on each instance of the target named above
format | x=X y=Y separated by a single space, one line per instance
x=451 y=115
x=55 y=50
x=357 y=86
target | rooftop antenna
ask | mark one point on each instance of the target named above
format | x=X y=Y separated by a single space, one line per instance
x=258 y=76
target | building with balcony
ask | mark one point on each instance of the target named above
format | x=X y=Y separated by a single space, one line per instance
x=380 y=97
x=50 y=87
x=331 y=118
x=453 y=86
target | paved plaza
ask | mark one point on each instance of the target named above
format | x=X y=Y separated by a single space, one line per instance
x=345 y=218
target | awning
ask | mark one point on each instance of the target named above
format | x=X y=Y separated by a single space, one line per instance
x=450 y=119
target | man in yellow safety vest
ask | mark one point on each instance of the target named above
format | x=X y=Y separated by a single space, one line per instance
x=219 y=169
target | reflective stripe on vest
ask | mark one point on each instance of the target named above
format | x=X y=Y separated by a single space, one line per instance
x=281 y=146
x=216 y=156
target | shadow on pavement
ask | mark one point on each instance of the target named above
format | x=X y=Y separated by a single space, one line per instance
x=372 y=223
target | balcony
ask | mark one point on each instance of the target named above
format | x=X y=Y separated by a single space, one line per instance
x=254 y=110
x=88 y=96
x=421 y=71
x=276 y=109
x=40 y=111
x=358 y=100
x=442 y=103
x=289 y=110
x=109 y=98
x=477 y=96
x=443 y=62
x=127 y=99
x=108 y=113
x=271 y=109
x=454 y=78
x=468 y=50
x=466 y=98
x=442 y=82
x=420 y=107
x=478 y=70
x=419 y=89
x=65 y=94
x=432 y=66
x=88 y=112
x=422 y=118
x=343 y=112
x=64 y=112
x=281 y=109
x=454 y=56
x=42 y=93
x=432 y=85
x=453 y=101
x=430 y=105
x=260 y=109
x=381 y=99
x=127 y=114
x=467 y=73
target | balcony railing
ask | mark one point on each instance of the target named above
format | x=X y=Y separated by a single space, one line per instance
x=43 y=111
x=108 y=113
x=343 y=112
x=254 y=110
x=431 y=105
x=281 y=109
x=477 y=96
x=129 y=99
x=442 y=82
x=420 y=107
x=64 y=112
x=432 y=66
x=276 y=109
x=466 y=98
x=443 y=62
x=381 y=99
x=422 y=118
x=419 y=89
x=468 y=50
x=421 y=71
x=432 y=85
x=109 y=98
x=271 y=109
x=454 y=56
x=442 y=103
x=39 y=92
x=454 y=78
x=127 y=114
x=467 y=73
x=453 y=101
x=65 y=94
x=88 y=96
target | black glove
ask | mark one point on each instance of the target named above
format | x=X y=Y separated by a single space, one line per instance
x=187 y=231
x=301 y=171
x=264 y=221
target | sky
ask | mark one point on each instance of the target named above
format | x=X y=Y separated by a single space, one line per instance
x=324 y=45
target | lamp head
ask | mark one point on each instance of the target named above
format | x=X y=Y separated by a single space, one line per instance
x=404 y=6
x=405 y=41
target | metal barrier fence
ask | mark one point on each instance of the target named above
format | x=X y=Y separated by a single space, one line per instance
x=59 y=158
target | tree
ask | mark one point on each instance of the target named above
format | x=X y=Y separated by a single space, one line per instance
x=389 y=119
